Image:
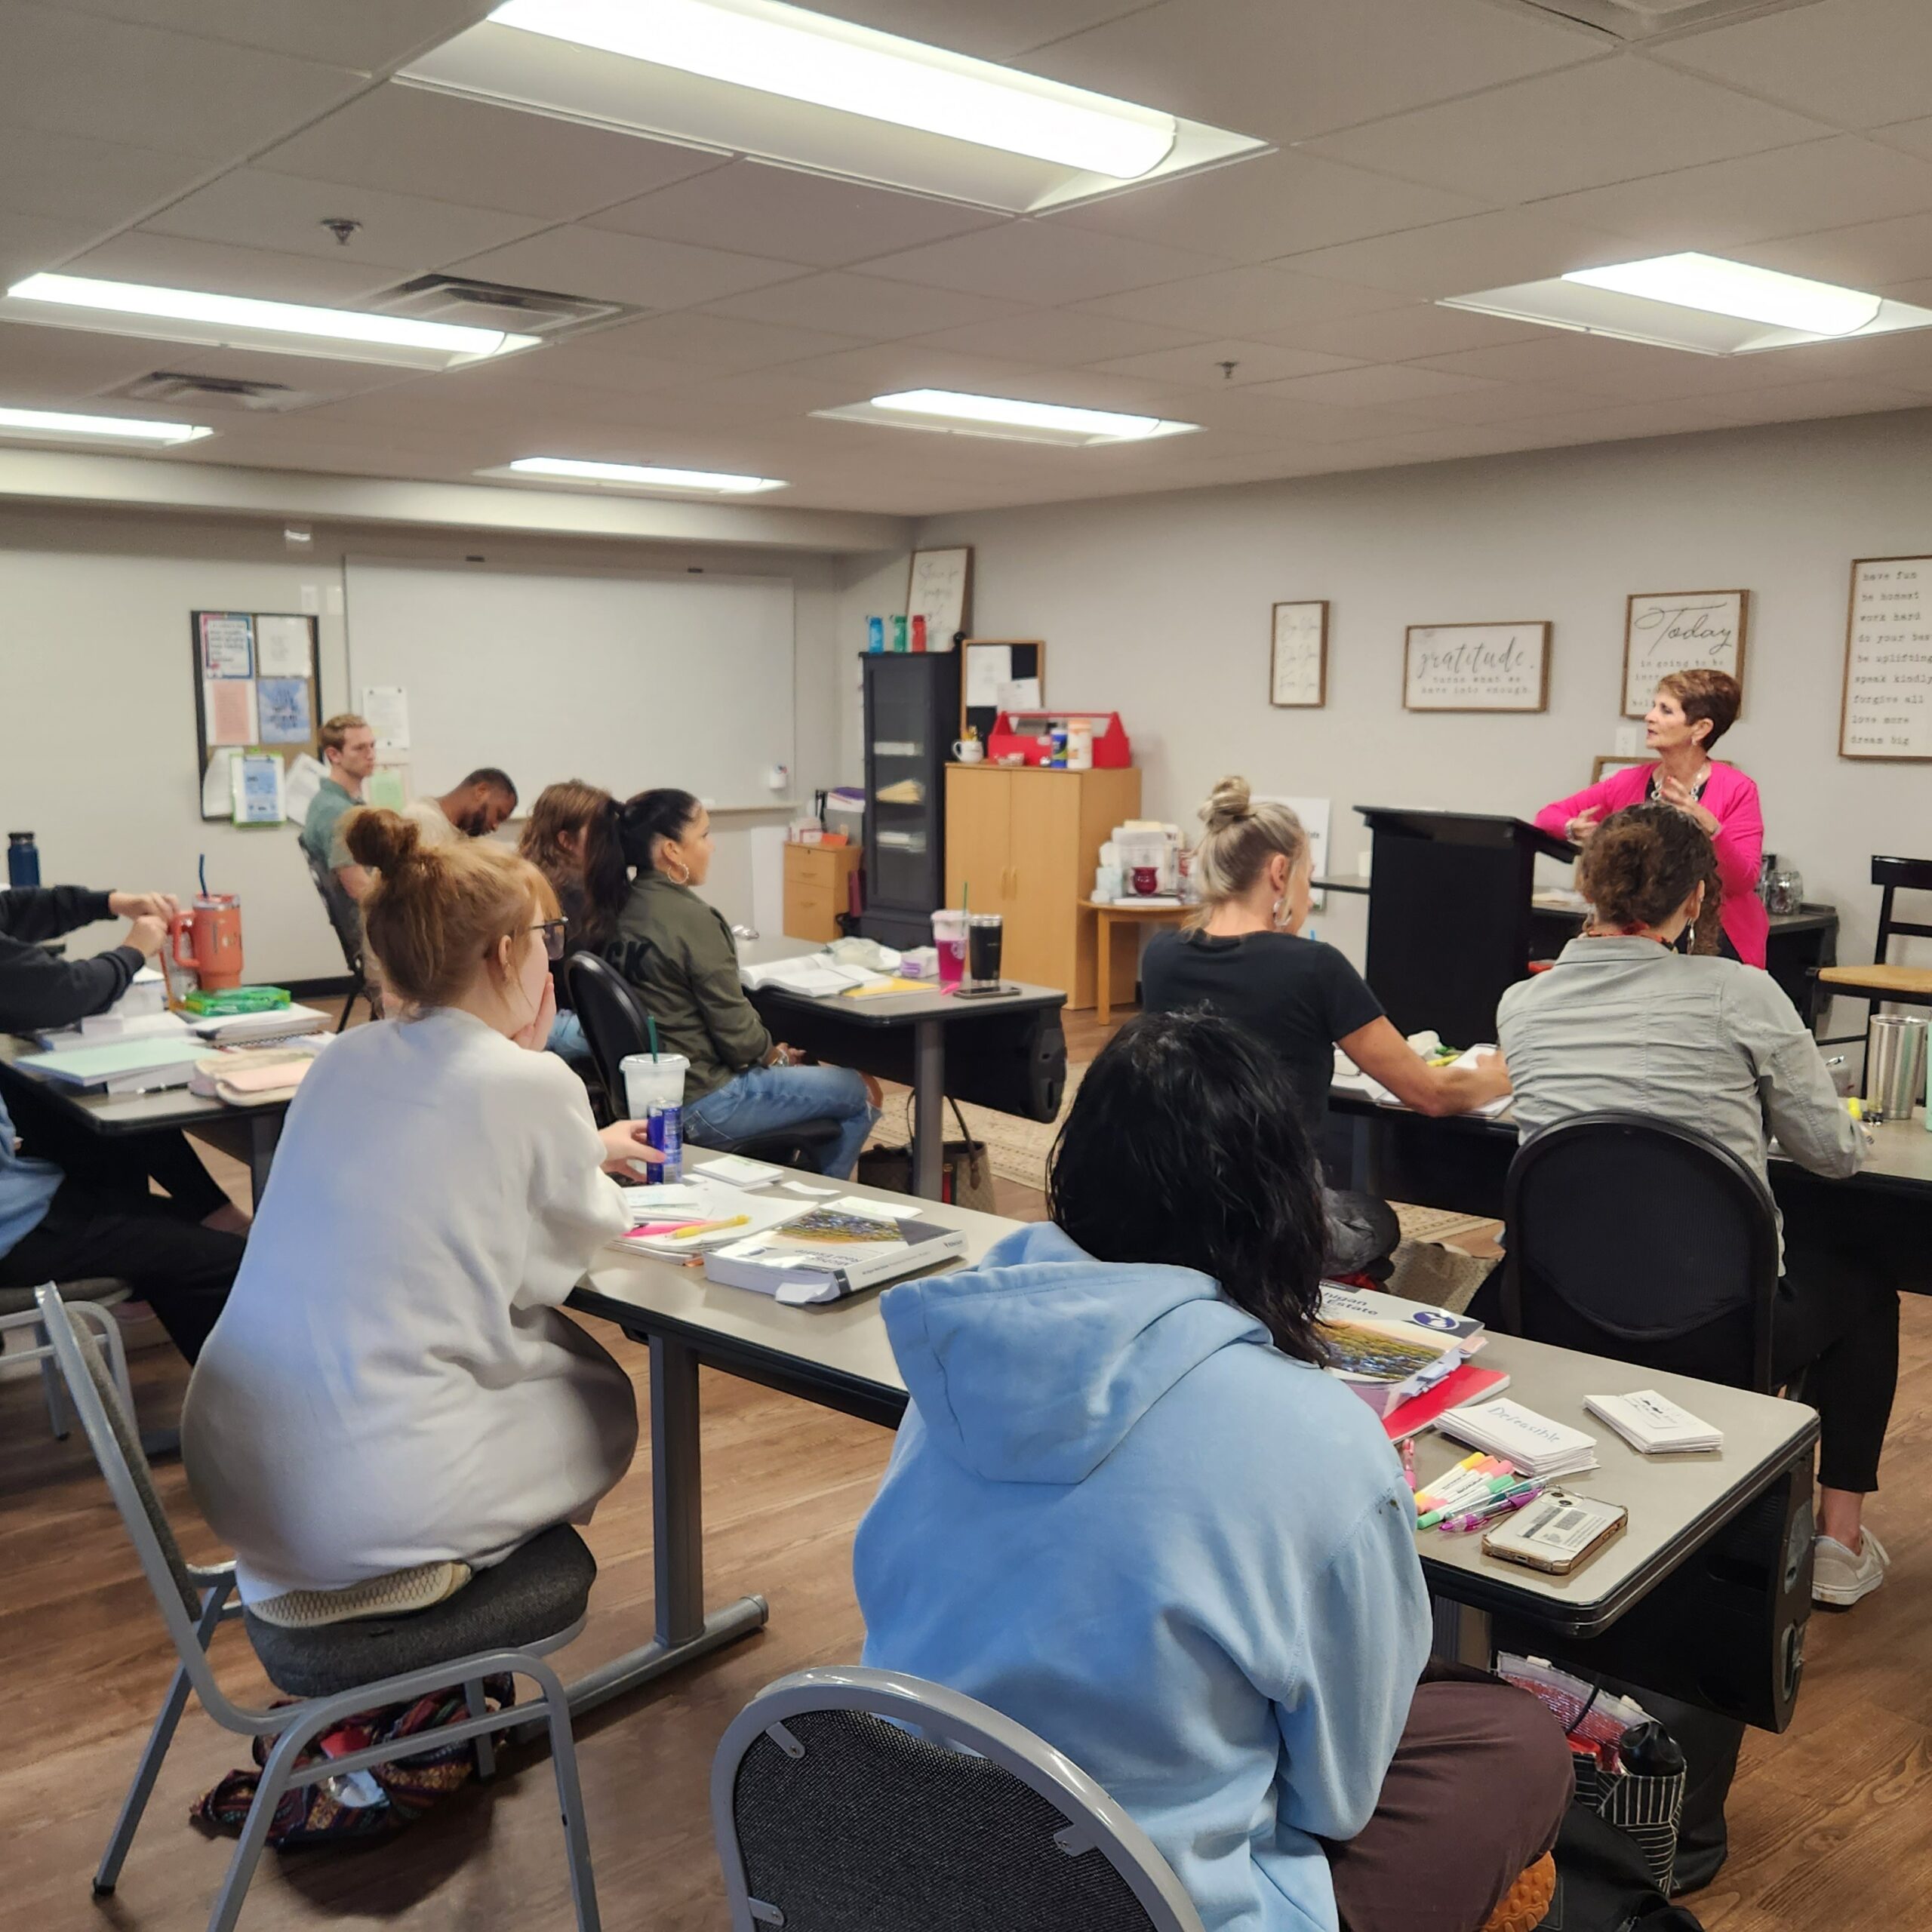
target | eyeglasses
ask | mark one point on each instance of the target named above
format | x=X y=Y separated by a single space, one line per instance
x=553 y=931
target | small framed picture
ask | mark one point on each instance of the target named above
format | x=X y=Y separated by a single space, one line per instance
x=939 y=588
x=1298 y=661
x=1476 y=667
x=1680 y=630
x=1600 y=767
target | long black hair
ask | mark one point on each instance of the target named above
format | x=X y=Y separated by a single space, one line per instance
x=1183 y=1146
x=642 y=821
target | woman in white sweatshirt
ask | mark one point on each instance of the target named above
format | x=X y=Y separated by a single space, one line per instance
x=392 y=1384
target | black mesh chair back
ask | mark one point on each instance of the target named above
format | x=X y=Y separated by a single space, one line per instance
x=613 y=1019
x=831 y=1816
x=1697 y=1288
x=346 y=922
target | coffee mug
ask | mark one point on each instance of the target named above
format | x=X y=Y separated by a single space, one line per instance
x=968 y=751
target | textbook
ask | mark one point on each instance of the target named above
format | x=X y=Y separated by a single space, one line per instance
x=1391 y=1352
x=833 y=1250
x=115 y=1059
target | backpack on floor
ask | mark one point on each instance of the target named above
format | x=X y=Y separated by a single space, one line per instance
x=1602 y=1884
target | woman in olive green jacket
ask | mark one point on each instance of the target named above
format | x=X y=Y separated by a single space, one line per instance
x=678 y=952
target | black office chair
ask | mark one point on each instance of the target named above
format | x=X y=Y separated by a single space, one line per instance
x=1632 y=1237
x=346 y=923
x=614 y=1022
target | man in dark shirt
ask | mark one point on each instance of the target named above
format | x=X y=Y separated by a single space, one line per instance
x=75 y=1204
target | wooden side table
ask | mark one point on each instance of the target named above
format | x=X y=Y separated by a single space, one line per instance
x=1107 y=913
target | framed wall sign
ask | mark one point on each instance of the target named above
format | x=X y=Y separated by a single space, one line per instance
x=1476 y=667
x=1680 y=630
x=1885 y=708
x=1298 y=658
x=1601 y=766
x=939 y=588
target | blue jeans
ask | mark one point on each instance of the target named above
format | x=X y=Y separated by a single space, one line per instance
x=568 y=1043
x=765 y=1099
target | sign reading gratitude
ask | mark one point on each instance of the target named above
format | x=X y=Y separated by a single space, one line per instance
x=1476 y=667
x=1680 y=630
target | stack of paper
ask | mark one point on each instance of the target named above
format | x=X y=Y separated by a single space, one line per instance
x=1536 y=1445
x=122 y=1066
x=1655 y=1424
x=815 y=976
x=720 y=1216
x=834 y=1250
x=145 y=1000
x=280 y=1022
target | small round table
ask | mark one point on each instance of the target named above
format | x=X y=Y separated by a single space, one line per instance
x=1107 y=911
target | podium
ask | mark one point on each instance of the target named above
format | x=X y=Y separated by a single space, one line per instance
x=1449 y=915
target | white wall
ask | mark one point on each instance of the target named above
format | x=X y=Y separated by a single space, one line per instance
x=1159 y=607
x=97 y=748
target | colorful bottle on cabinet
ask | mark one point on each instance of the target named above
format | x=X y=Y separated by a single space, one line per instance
x=899 y=632
x=919 y=632
x=874 y=634
x=22 y=860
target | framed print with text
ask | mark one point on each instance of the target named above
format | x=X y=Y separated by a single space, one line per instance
x=1680 y=630
x=1298 y=659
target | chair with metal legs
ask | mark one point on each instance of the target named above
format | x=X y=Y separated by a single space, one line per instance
x=506 y=1621
x=91 y=1299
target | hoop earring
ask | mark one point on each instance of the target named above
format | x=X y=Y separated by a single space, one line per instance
x=1274 y=912
x=686 y=879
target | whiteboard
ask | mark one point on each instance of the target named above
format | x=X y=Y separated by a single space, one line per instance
x=626 y=681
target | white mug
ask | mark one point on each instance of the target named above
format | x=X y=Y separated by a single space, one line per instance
x=968 y=751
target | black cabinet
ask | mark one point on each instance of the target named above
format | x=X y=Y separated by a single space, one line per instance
x=912 y=717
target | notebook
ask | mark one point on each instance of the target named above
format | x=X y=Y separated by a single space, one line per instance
x=833 y=1250
x=1654 y=1424
x=1537 y=1446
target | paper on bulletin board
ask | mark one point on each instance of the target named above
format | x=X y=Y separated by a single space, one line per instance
x=1020 y=694
x=386 y=708
x=256 y=788
x=1314 y=814
x=228 y=707
x=218 y=783
x=300 y=782
x=282 y=648
x=283 y=705
x=228 y=644
x=988 y=667
x=387 y=786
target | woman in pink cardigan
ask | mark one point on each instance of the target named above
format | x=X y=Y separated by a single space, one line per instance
x=1694 y=710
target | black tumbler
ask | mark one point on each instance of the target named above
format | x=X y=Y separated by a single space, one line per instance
x=985 y=933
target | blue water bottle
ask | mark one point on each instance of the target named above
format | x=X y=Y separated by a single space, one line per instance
x=22 y=860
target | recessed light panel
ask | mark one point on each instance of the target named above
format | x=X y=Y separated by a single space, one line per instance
x=61 y=426
x=244 y=321
x=1699 y=302
x=1006 y=419
x=637 y=475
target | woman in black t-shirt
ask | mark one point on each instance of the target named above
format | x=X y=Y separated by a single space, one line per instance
x=1243 y=957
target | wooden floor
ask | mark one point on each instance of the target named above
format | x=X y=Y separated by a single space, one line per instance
x=1830 y=1825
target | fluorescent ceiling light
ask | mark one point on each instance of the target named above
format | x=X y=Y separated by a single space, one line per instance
x=1751 y=294
x=1009 y=419
x=1698 y=303
x=777 y=82
x=244 y=321
x=641 y=475
x=57 y=425
x=806 y=57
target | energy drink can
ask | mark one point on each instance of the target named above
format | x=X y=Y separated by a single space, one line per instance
x=667 y=1136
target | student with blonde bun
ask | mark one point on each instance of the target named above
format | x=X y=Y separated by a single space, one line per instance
x=393 y=1384
x=1243 y=956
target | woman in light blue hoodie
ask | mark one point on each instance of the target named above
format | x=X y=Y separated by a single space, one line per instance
x=1126 y=1509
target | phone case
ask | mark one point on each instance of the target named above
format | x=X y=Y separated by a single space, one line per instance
x=1549 y=1539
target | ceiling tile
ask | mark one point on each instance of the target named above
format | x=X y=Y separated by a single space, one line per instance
x=42 y=367
x=368 y=34
x=862 y=305
x=1285 y=69
x=1854 y=63
x=879 y=368
x=1616 y=422
x=408 y=140
x=1506 y=402
x=580 y=364
x=76 y=74
x=1037 y=261
x=1787 y=190
x=1249 y=363
x=782 y=212
x=1914 y=136
x=1273 y=204
x=252 y=208
x=1244 y=412
x=1456 y=257
x=1067 y=336
x=1868 y=255
x=101 y=185
x=1370 y=388
x=716 y=342
x=1244 y=301
x=1606 y=122
x=1630 y=371
x=1397 y=335
x=1790 y=402
x=28 y=244
x=624 y=267
x=174 y=262
x=992 y=30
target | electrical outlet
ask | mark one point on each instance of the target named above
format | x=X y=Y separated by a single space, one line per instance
x=1629 y=741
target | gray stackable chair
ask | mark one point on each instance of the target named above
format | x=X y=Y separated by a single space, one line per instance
x=91 y=1299
x=831 y=1816
x=506 y=1621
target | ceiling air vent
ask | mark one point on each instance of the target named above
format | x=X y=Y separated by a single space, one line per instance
x=1649 y=19
x=214 y=391
x=491 y=305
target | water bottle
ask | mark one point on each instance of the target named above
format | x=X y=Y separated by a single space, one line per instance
x=22 y=860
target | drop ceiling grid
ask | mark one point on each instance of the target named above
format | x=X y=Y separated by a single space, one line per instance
x=1426 y=147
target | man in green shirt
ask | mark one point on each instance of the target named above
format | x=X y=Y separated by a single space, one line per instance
x=349 y=750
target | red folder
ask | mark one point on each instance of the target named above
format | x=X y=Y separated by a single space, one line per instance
x=1470 y=1383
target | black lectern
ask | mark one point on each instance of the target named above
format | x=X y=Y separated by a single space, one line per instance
x=1449 y=915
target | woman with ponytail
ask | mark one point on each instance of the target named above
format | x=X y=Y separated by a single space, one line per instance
x=393 y=1396
x=678 y=952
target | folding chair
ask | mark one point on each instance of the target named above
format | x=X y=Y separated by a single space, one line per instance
x=506 y=1621
x=91 y=1299
x=852 y=1797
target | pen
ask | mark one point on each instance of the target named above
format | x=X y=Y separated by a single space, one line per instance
x=690 y=1228
x=1497 y=1506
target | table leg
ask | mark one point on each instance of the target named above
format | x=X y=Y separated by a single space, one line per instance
x=1460 y=1634
x=929 y=1108
x=1104 y=968
x=264 y=1130
x=684 y=1632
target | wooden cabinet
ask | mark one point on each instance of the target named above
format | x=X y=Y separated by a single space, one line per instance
x=817 y=889
x=1024 y=843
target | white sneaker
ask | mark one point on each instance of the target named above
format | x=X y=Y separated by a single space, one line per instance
x=1840 y=1578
